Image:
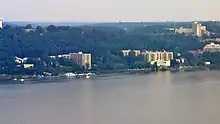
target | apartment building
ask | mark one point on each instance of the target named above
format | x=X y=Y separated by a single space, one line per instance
x=128 y=52
x=161 y=58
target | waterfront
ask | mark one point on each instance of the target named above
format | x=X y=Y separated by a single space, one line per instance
x=157 y=98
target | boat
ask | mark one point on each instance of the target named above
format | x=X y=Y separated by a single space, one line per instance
x=22 y=80
x=70 y=75
x=15 y=79
x=87 y=76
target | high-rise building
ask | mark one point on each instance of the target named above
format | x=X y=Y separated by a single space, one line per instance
x=160 y=58
x=197 y=30
x=196 y=27
x=1 y=23
x=82 y=59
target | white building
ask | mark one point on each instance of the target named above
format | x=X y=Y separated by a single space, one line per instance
x=184 y=30
x=1 y=23
x=212 y=47
x=128 y=52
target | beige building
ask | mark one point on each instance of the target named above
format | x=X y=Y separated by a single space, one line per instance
x=160 y=58
x=212 y=47
x=1 y=23
x=197 y=29
x=79 y=58
x=82 y=59
x=128 y=52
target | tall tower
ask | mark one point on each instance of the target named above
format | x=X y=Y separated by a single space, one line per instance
x=196 y=27
x=1 y=23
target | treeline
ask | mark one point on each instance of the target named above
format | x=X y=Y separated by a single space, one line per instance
x=104 y=43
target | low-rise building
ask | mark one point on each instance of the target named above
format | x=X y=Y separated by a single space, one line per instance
x=28 y=65
x=128 y=52
x=212 y=47
x=182 y=30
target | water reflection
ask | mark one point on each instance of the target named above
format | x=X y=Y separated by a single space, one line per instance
x=160 y=98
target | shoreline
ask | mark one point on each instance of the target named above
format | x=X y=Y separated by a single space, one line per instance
x=21 y=78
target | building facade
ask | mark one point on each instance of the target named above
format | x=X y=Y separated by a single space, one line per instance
x=160 y=58
x=212 y=47
x=197 y=29
x=1 y=23
x=82 y=59
x=128 y=52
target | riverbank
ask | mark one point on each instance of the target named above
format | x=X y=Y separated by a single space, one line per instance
x=104 y=73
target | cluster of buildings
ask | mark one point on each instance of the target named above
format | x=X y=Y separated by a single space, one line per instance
x=82 y=59
x=197 y=29
x=23 y=62
x=160 y=58
x=212 y=47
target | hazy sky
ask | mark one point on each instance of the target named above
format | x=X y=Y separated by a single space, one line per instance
x=109 y=10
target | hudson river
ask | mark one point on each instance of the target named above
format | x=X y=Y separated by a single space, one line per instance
x=159 y=98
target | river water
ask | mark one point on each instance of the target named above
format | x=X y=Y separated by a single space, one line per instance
x=159 y=98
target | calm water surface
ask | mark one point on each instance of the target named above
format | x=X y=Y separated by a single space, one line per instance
x=160 y=98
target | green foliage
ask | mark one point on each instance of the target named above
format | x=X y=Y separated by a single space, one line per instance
x=104 y=43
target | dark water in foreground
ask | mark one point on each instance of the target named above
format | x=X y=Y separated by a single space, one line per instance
x=160 y=98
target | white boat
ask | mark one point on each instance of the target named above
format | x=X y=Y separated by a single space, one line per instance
x=22 y=80
x=87 y=76
x=70 y=74
x=15 y=79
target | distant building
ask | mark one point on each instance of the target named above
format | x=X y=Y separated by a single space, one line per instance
x=1 y=23
x=28 y=65
x=197 y=29
x=79 y=58
x=212 y=47
x=67 y=56
x=137 y=52
x=160 y=58
x=82 y=59
x=20 y=60
x=128 y=52
x=182 y=30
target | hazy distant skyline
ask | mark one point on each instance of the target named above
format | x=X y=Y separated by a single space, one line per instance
x=109 y=10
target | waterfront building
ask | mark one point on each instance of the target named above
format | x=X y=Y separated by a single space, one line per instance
x=160 y=58
x=212 y=47
x=82 y=59
x=67 y=56
x=28 y=65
